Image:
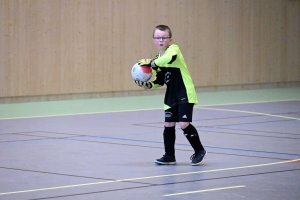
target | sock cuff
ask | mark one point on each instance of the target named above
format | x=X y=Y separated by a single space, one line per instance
x=170 y=129
x=189 y=129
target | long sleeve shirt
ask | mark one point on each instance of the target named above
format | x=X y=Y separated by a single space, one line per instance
x=172 y=71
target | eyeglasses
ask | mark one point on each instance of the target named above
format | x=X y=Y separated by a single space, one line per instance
x=161 y=38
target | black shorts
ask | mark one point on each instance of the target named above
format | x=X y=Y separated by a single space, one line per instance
x=180 y=113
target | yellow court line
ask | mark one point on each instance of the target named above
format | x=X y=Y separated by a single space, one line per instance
x=149 y=177
x=208 y=190
x=255 y=113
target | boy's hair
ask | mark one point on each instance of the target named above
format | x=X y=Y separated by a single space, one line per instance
x=163 y=28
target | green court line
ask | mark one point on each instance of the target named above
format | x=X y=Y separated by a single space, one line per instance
x=115 y=104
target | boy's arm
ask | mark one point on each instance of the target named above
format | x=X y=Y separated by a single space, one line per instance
x=168 y=58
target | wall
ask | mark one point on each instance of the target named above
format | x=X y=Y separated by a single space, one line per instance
x=65 y=47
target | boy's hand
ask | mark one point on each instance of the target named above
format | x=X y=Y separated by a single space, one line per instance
x=146 y=85
x=145 y=62
x=148 y=63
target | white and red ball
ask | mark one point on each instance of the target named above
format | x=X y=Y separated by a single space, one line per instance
x=141 y=73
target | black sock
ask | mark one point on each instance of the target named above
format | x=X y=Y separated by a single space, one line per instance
x=191 y=134
x=169 y=140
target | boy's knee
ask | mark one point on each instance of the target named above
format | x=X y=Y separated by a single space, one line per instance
x=183 y=125
x=170 y=124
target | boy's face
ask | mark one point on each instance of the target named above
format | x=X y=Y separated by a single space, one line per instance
x=161 y=39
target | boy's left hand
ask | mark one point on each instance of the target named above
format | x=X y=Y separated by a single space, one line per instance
x=148 y=63
x=145 y=62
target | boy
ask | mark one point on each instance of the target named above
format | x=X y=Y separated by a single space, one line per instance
x=170 y=68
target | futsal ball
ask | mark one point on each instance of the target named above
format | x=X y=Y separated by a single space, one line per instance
x=141 y=73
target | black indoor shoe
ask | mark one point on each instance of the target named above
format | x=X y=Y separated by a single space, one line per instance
x=166 y=160
x=197 y=157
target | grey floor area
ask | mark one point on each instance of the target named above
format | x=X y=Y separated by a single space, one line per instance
x=253 y=153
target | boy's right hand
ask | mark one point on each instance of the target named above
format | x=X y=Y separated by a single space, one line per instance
x=146 y=85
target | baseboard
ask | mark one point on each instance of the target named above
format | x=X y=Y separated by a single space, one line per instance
x=60 y=97
x=248 y=87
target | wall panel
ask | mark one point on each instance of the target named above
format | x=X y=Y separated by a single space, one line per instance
x=51 y=47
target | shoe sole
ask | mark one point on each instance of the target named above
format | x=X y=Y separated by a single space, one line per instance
x=195 y=164
x=165 y=163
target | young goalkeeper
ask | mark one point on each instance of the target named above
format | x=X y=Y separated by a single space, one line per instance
x=170 y=68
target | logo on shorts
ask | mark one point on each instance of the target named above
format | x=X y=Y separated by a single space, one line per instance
x=168 y=114
x=184 y=116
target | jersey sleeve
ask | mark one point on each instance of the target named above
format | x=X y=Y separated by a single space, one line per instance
x=159 y=79
x=168 y=58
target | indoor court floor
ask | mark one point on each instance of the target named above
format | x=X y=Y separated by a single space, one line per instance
x=105 y=148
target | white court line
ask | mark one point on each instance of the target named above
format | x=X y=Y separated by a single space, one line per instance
x=208 y=190
x=150 y=177
x=118 y=111
x=255 y=113
x=250 y=102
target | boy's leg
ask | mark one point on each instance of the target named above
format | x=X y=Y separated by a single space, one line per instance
x=190 y=132
x=169 y=139
x=169 y=143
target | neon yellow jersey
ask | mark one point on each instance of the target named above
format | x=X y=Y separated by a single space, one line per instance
x=172 y=71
